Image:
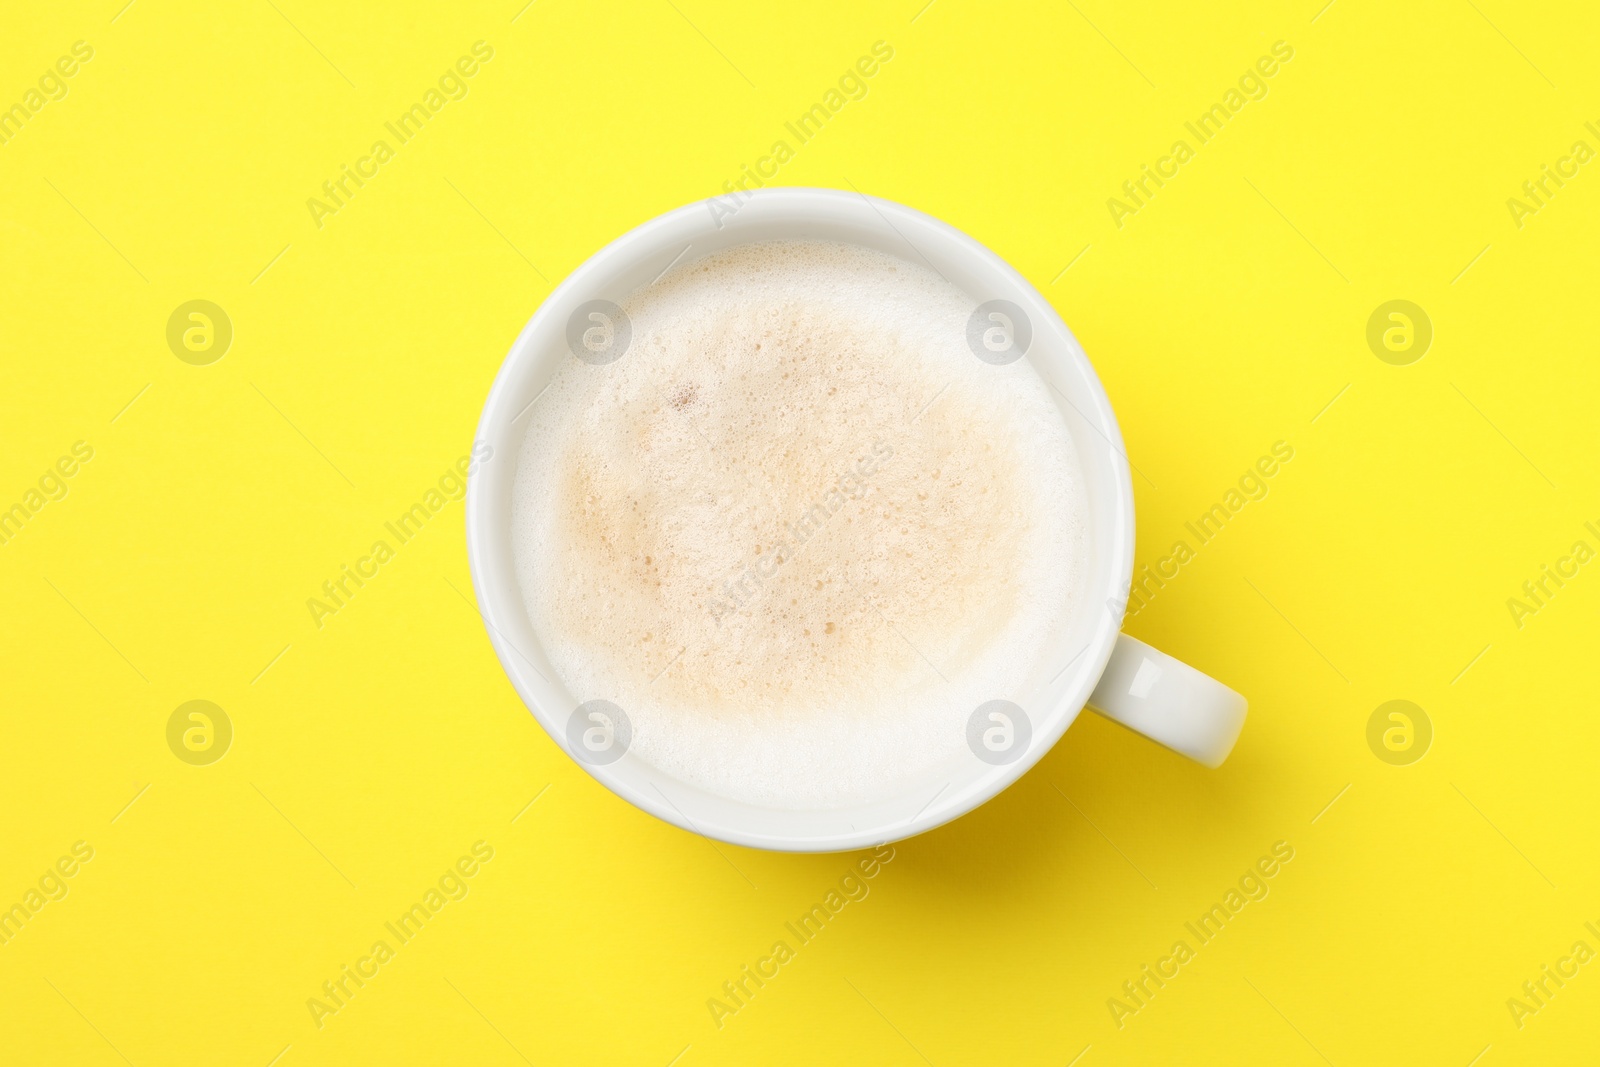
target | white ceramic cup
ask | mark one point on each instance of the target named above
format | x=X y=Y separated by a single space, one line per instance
x=1122 y=678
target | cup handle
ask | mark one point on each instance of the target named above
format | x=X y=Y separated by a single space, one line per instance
x=1169 y=702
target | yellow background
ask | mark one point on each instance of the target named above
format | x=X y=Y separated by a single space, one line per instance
x=373 y=752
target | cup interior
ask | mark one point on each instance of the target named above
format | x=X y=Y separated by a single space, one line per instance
x=1077 y=653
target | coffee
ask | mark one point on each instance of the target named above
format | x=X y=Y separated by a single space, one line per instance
x=796 y=530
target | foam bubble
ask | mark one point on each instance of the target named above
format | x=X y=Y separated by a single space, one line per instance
x=798 y=532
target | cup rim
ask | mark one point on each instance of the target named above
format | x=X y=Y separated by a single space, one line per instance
x=660 y=235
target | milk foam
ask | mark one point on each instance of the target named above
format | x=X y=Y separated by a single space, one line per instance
x=798 y=532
